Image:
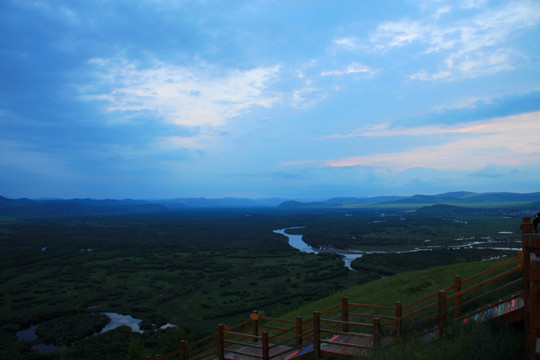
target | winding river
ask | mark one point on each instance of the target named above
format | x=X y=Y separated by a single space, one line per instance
x=297 y=242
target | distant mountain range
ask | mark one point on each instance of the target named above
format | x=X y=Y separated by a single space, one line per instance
x=87 y=207
x=460 y=198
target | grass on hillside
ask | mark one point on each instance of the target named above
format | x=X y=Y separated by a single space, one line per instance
x=487 y=340
x=493 y=340
x=405 y=287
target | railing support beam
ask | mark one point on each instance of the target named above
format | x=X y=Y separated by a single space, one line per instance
x=442 y=312
x=220 y=346
x=376 y=332
x=530 y=243
x=265 y=347
x=255 y=320
x=399 y=313
x=299 y=331
x=316 y=335
x=457 y=300
x=345 y=313
x=184 y=350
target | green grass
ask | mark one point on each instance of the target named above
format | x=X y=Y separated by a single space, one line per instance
x=493 y=340
x=405 y=287
x=489 y=340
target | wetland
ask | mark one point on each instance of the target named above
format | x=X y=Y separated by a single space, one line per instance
x=181 y=273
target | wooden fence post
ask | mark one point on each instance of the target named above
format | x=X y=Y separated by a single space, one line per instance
x=254 y=316
x=457 y=298
x=530 y=243
x=399 y=314
x=376 y=332
x=316 y=335
x=345 y=313
x=220 y=342
x=298 y=331
x=442 y=312
x=534 y=310
x=265 y=348
x=184 y=350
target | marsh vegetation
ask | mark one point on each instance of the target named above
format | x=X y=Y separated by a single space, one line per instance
x=194 y=269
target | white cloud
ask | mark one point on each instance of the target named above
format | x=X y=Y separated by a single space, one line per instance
x=474 y=46
x=386 y=130
x=505 y=141
x=348 y=43
x=197 y=97
x=396 y=34
x=353 y=68
x=472 y=4
x=306 y=97
x=182 y=142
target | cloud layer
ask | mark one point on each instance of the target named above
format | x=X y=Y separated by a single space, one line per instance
x=212 y=98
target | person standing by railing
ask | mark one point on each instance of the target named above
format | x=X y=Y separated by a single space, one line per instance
x=536 y=223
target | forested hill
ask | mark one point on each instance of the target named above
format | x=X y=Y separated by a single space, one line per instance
x=456 y=199
x=459 y=201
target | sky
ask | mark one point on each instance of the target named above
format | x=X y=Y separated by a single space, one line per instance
x=314 y=99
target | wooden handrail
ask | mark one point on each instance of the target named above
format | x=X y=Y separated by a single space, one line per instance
x=249 y=336
x=335 y=332
x=348 y=344
x=486 y=282
x=514 y=258
x=405 y=307
x=331 y=309
x=491 y=292
x=517 y=295
x=484 y=272
x=380 y=307
x=346 y=322
x=239 y=324
x=372 y=316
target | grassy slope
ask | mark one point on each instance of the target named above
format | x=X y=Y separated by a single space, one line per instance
x=406 y=287
x=492 y=340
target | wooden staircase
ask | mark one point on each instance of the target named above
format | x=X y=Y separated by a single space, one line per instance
x=505 y=291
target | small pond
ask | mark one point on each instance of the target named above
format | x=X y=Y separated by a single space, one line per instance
x=117 y=320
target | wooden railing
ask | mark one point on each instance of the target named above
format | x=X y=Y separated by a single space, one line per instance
x=431 y=314
x=513 y=281
x=531 y=274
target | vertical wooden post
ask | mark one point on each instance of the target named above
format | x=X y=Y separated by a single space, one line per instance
x=265 y=347
x=457 y=298
x=399 y=314
x=534 y=310
x=531 y=248
x=442 y=312
x=345 y=313
x=184 y=350
x=298 y=331
x=316 y=335
x=254 y=316
x=376 y=332
x=220 y=343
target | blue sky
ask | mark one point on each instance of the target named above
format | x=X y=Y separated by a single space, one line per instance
x=294 y=99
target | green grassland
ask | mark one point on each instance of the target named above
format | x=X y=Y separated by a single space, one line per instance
x=405 y=287
x=491 y=340
x=196 y=269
